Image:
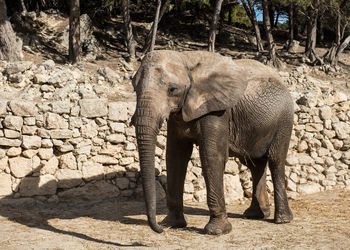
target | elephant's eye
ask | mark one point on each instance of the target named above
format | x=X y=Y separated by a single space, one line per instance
x=173 y=91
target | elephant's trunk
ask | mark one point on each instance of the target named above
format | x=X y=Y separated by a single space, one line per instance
x=147 y=127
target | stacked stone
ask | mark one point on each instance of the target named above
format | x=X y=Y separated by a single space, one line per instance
x=75 y=143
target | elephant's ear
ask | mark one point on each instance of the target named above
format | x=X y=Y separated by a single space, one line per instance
x=214 y=88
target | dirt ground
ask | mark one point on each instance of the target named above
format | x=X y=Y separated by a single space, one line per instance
x=322 y=221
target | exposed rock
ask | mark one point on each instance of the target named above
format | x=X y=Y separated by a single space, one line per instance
x=68 y=161
x=50 y=166
x=68 y=178
x=13 y=122
x=23 y=108
x=93 y=107
x=92 y=171
x=45 y=153
x=91 y=192
x=116 y=138
x=10 y=142
x=14 y=151
x=31 y=142
x=110 y=75
x=309 y=188
x=105 y=159
x=42 y=185
x=17 y=67
x=5 y=184
x=233 y=188
x=20 y=167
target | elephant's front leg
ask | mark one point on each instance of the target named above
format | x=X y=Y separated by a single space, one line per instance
x=213 y=149
x=178 y=153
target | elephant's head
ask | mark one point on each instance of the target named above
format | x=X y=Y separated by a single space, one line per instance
x=193 y=83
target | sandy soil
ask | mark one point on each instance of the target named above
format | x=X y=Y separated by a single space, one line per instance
x=321 y=222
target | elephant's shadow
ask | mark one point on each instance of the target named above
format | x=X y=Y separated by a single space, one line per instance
x=37 y=214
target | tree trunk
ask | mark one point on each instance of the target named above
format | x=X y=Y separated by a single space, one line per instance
x=312 y=30
x=130 y=42
x=155 y=25
x=10 y=49
x=340 y=49
x=148 y=40
x=249 y=8
x=271 y=13
x=24 y=9
x=269 y=37
x=74 y=31
x=291 y=24
x=212 y=32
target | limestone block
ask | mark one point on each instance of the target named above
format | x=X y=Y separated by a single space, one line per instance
x=30 y=121
x=105 y=159
x=117 y=127
x=45 y=153
x=42 y=185
x=13 y=122
x=17 y=67
x=93 y=107
x=3 y=107
x=89 y=130
x=342 y=130
x=14 y=151
x=20 y=166
x=61 y=133
x=31 y=142
x=65 y=148
x=233 y=188
x=68 y=178
x=55 y=121
x=126 y=161
x=11 y=134
x=23 y=108
x=95 y=191
x=50 y=166
x=325 y=112
x=46 y=143
x=118 y=111
x=68 y=161
x=75 y=122
x=309 y=188
x=4 y=163
x=231 y=167
x=29 y=130
x=61 y=107
x=43 y=133
x=116 y=138
x=122 y=183
x=92 y=171
x=5 y=184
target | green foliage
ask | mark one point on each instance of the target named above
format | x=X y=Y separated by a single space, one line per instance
x=239 y=16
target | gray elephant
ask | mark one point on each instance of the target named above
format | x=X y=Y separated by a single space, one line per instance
x=229 y=108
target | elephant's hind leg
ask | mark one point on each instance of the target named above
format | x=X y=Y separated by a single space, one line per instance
x=178 y=153
x=260 y=206
x=276 y=159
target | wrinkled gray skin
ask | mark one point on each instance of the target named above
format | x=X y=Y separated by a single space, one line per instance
x=229 y=108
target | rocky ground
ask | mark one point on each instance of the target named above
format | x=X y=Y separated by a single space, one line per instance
x=321 y=222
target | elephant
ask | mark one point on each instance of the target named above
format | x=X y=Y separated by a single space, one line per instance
x=229 y=108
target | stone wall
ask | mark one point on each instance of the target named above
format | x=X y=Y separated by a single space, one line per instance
x=82 y=147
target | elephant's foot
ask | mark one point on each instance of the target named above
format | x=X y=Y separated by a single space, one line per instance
x=217 y=226
x=283 y=217
x=174 y=220
x=255 y=212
